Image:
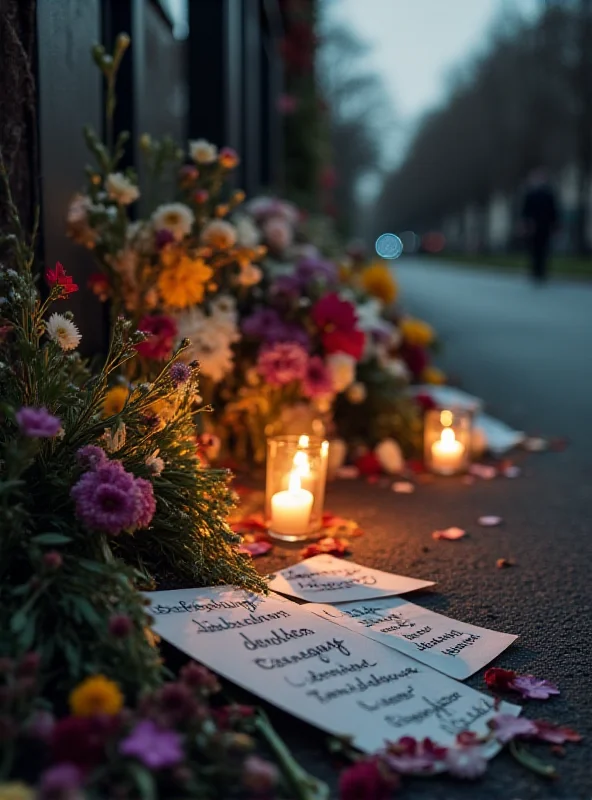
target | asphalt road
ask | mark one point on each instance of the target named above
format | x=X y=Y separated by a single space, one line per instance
x=527 y=351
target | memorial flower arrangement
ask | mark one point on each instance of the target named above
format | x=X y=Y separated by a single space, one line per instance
x=158 y=266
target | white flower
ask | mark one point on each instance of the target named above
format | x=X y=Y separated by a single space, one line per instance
x=174 y=217
x=154 y=463
x=210 y=343
x=396 y=368
x=219 y=234
x=63 y=331
x=249 y=274
x=247 y=233
x=202 y=151
x=121 y=189
x=278 y=233
x=114 y=441
x=342 y=369
x=357 y=393
x=390 y=456
x=224 y=306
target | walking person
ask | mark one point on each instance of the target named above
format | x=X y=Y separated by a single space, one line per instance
x=539 y=219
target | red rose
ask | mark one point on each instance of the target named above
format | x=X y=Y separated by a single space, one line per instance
x=349 y=342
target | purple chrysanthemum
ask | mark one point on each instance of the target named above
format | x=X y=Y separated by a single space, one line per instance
x=179 y=373
x=111 y=500
x=266 y=324
x=286 y=287
x=37 y=423
x=311 y=270
x=90 y=456
x=145 y=503
x=317 y=381
x=60 y=782
x=155 y=747
x=282 y=363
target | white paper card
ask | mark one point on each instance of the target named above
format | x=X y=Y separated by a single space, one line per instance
x=326 y=579
x=328 y=676
x=452 y=647
x=449 y=397
x=499 y=436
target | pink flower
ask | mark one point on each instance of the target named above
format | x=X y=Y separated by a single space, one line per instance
x=161 y=331
x=533 y=688
x=549 y=732
x=350 y=342
x=153 y=746
x=60 y=782
x=367 y=780
x=57 y=277
x=466 y=762
x=507 y=727
x=409 y=755
x=278 y=233
x=37 y=423
x=90 y=456
x=282 y=363
x=199 y=677
x=179 y=374
x=120 y=626
x=336 y=319
x=317 y=381
x=258 y=775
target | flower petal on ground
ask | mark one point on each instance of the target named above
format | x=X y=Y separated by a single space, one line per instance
x=403 y=487
x=534 y=688
x=489 y=521
x=449 y=533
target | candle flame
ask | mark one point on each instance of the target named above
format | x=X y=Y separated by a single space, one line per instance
x=301 y=464
x=325 y=447
x=303 y=441
x=446 y=418
x=294 y=484
x=448 y=436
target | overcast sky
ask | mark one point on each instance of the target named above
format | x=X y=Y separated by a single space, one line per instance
x=416 y=43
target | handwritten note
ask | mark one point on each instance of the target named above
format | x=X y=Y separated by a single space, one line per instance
x=328 y=676
x=326 y=579
x=452 y=647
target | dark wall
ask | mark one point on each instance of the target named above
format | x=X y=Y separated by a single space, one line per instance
x=69 y=90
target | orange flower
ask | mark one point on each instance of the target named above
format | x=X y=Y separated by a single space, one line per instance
x=182 y=279
x=379 y=282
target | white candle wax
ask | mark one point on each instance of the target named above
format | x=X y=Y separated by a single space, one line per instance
x=290 y=509
x=447 y=453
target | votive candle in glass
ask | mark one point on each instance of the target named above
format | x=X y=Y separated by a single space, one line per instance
x=447 y=441
x=295 y=486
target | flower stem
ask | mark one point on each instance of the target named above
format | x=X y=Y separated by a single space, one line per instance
x=531 y=762
x=304 y=785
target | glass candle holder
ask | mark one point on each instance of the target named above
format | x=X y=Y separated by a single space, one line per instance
x=295 y=486
x=447 y=441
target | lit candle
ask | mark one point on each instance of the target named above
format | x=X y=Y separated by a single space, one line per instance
x=447 y=453
x=290 y=509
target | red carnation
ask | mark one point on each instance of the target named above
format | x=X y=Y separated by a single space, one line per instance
x=498 y=679
x=336 y=320
x=81 y=740
x=57 y=277
x=351 y=343
x=369 y=780
x=161 y=331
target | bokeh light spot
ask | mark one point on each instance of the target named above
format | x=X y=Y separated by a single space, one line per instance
x=388 y=245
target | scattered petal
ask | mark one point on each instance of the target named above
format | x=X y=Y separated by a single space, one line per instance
x=489 y=521
x=484 y=471
x=403 y=487
x=499 y=679
x=329 y=545
x=501 y=563
x=466 y=762
x=535 y=444
x=255 y=549
x=556 y=734
x=449 y=533
x=534 y=688
x=347 y=472
x=507 y=727
x=409 y=756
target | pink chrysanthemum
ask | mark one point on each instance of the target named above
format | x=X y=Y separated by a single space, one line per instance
x=282 y=363
x=317 y=381
x=37 y=423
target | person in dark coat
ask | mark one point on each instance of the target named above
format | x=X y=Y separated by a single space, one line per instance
x=539 y=218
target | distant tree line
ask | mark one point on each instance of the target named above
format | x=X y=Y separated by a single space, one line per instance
x=526 y=102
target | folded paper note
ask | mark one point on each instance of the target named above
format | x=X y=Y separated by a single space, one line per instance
x=328 y=676
x=326 y=579
x=452 y=647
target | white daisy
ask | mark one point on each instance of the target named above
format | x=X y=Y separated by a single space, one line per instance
x=202 y=151
x=210 y=343
x=247 y=233
x=174 y=217
x=219 y=234
x=121 y=189
x=63 y=331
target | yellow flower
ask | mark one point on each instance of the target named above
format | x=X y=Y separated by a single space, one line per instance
x=416 y=331
x=379 y=282
x=115 y=400
x=15 y=790
x=433 y=375
x=96 y=695
x=181 y=281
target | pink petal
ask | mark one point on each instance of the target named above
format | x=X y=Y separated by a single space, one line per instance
x=449 y=533
x=347 y=473
x=256 y=548
x=484 y=471
x=489 y=521
x=403 y=487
